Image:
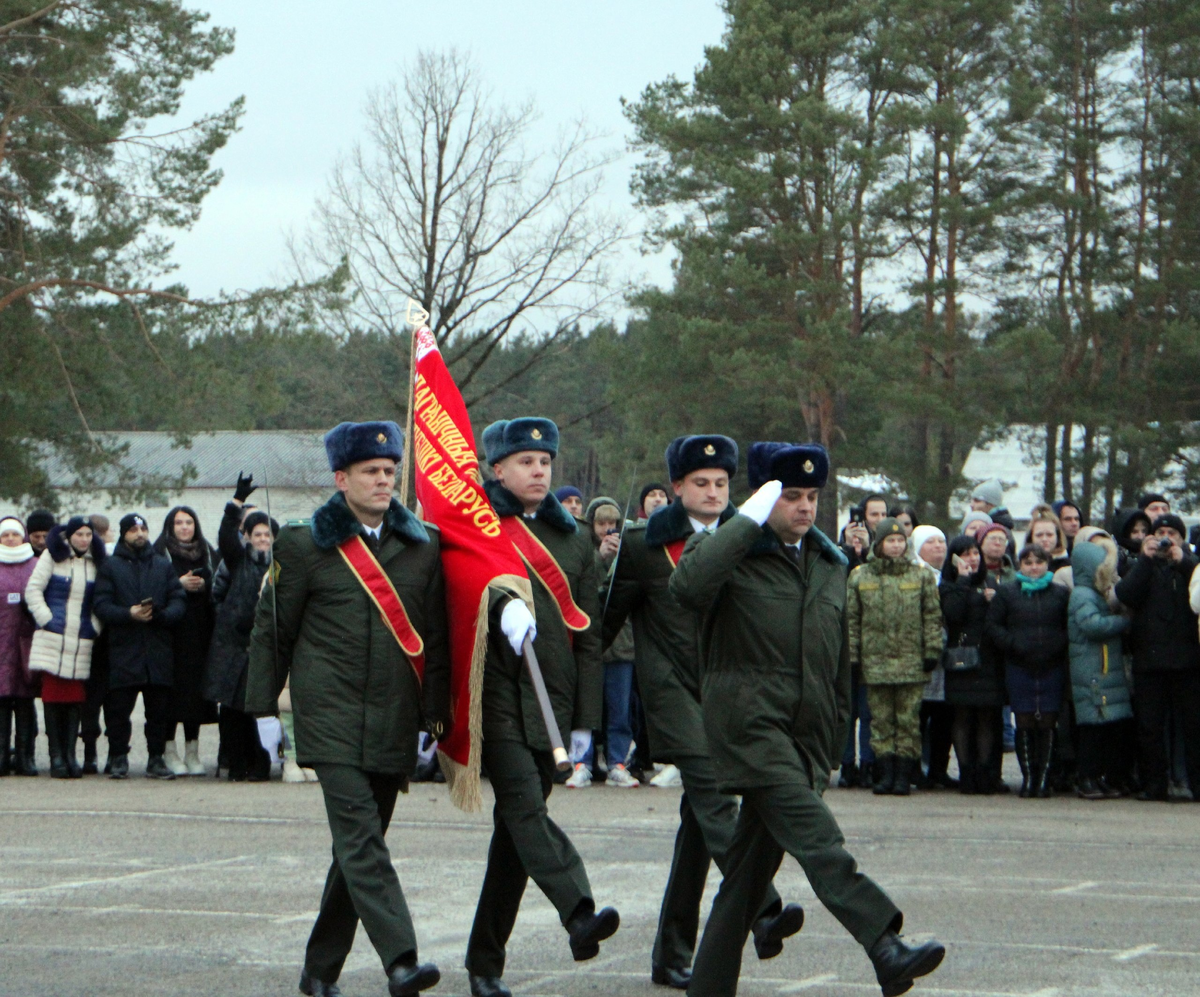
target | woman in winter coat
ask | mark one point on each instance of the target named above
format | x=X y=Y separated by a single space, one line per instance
x=1129 y=528
x=1103 y=705
x=976 y=694
x=59 y=595
x=895 y=624
x=1046 y=532
x=245 y=559
x=18 y=687
x=994 y=542
x=183 y=542
x=927 y=545
x=1027 y=621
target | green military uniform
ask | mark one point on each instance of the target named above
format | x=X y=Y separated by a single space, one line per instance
x=667 y=658
x=894 y=617
x=526 y=843
x=357 y=704
x=776 y=700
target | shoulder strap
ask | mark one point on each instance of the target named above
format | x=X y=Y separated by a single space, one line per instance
x=547 y=571
x=371 y=576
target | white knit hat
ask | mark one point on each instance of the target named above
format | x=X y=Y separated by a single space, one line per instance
x=8 y=524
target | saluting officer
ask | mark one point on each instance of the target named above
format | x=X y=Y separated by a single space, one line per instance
x=526 y=843
x=776 y=698
x=667 y=656
x=368 y=673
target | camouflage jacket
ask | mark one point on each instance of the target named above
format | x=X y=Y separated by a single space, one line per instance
x=895 y=619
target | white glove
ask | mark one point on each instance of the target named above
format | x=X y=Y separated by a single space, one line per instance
x=581 y=744
x=516 y=621
x=759 y=505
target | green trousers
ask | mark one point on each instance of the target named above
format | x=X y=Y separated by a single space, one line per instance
x=790 y=818
x=362 y=884
x=526 y=844
x=707 y=819
x=896 y=718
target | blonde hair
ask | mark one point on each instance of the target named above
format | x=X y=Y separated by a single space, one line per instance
x=1044 y=514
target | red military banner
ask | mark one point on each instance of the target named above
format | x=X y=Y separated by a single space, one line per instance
x=476 y=555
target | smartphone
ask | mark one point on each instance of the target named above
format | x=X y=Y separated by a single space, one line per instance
x=148 y=601
x=858 y=514
x=612 y=531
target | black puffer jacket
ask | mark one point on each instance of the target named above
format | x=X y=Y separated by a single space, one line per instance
x=1030 y=629
x=965 y=610
x=236 y=590
x=1163 y=636
x=139 y=653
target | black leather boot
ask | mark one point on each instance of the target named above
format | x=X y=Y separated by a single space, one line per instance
x=966 y=780
x=53 y=713
x=310 y=986
x=89 y=756
x=118 y=766
x=23 y=745
x=70 y=734
x=665 y=976
x=885 y=785
x=904 y=771
x=1044 y=752
x=848 y=776
x=587 y=929
x=5 y=734
x=897 y=964
x=488 y=986
x=770 y=931
x=1024 y=748
x=408 y=977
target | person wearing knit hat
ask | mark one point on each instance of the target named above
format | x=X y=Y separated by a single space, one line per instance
x=770 y=589
x=18 y=687
x=571 y=499
x=895 y=635
x=61 y=597
x=988 y=496
x=973 y=522
x=1154 y=504
x=564 y=631
x=360 y=691
x=653 y=497
x=667 y=659
x=38 y=525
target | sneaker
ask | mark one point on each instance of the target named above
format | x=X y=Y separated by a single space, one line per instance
x=581 y=778
x=156 y=768
x=667 y=778
x=292 y=772
x=191 y=758
x=172 y=760
x=619 y=778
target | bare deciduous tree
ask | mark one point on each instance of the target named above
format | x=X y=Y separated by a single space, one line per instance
x=444 y=203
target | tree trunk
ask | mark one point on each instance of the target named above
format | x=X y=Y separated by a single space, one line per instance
x=1110 y=476
x=1087 y=468
x=1049 y=484
x=1065 y=458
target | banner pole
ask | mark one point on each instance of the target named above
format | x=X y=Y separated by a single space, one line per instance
x=416 y=317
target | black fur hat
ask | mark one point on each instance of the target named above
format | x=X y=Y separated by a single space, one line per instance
x=506 y=437
x=350 y=442
x=796 y=465
x=686 y=454
x=39 y=521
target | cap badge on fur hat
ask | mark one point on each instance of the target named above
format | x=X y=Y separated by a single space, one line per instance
x=710 y=450
x=808 y=467
x=896 y=527
x=795 y=465
x=536 y=434
x=380 y=438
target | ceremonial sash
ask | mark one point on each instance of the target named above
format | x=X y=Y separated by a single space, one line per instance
x=674 y=551
x=541 y=562
x=366 y=568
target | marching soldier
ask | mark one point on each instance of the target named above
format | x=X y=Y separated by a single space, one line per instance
x=526 y=843
x=667 y=656
x=357 y=615
x=776 y=684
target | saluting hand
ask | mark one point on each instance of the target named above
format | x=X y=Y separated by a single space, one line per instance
x=759 y=505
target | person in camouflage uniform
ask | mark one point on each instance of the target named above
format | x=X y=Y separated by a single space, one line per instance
x=895 y=633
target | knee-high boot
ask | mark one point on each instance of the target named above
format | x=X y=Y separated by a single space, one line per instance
x=1025 y=758
x=23 y=746
x=6 y=713
x=52 y=713
x=1045 y=752
x=71 y=717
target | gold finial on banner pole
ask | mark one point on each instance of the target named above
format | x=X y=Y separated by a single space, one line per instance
x=416 y=317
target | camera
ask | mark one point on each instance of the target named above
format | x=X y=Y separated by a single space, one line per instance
x=1164 y=547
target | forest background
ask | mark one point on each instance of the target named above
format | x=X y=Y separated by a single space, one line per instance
x=899 y=228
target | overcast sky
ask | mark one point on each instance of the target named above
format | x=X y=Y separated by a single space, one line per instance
x=305 y=69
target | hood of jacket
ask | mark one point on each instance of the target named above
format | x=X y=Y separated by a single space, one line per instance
x=1094 y=563
x=671 y=523
x=551 y=511
x=334 y=523
x=61 y=549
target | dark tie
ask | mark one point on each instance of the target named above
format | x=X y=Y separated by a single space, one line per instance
x=793 y=554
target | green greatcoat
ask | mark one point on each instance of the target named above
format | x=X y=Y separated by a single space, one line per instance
x=775 y=682
x=666 y=634
x=570 y=663
x=894 y=616
x=356 y=699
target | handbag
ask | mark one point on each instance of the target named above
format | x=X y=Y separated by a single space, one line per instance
x=960 y=658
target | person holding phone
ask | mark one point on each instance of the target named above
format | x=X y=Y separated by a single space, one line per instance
x=139 y=598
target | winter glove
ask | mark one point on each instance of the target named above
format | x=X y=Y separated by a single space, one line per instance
x=516 y=621
x=581 y=744
x=245 y=485
x=759 y=505
x=929 y=664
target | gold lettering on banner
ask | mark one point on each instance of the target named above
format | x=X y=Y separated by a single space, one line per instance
x=441 y=425
x=459 y=493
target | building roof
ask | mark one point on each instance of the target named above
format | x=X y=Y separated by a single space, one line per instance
x=276 y=458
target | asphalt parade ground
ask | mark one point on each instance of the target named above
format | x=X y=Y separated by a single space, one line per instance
x=198 y=887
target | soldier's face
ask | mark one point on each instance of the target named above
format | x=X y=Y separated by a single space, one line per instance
x=527 y=475
x=368 y=485
x=794 y=513
x=655 y=499
x=704 y=493
x=894 y=546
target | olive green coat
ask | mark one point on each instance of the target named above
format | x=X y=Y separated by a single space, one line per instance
x=570 y=663
x=666 y=635
x=775 y=672
x=894 y=614
x=355 y=697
